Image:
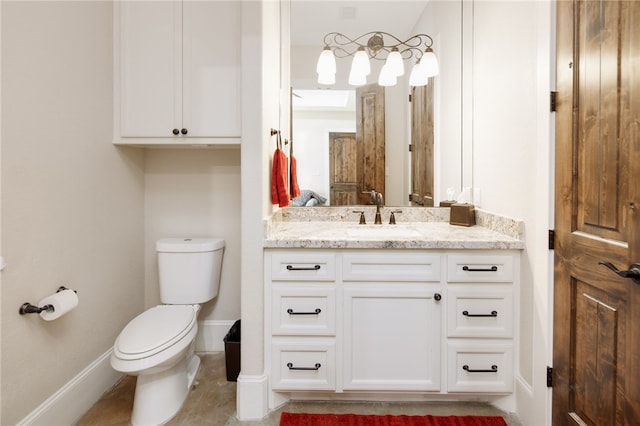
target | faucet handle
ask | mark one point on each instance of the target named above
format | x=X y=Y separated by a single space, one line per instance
x=362 y=221
x=392 y=218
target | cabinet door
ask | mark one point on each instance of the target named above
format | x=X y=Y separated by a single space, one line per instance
x=211 y=68
x=150 y=71
x=391 y=337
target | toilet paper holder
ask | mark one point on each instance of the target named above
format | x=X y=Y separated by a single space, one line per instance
x=28 y=308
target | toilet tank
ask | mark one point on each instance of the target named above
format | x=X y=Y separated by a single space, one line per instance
x=189 y=269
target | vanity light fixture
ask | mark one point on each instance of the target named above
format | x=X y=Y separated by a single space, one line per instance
x=372 y=45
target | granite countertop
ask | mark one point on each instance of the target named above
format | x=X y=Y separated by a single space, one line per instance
x=416 y=228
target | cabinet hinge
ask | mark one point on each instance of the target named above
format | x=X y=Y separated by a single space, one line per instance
x=410 y=198
x=549 y=377
x=410 y=147
x=552 y=239
x=554 y=101
x=409 y=97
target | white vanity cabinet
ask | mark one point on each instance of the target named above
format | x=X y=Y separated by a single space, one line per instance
x=480 y=322
x=177 y=72
x=303 y=320
x=391 y=320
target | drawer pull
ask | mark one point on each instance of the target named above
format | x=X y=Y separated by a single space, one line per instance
x=316 y=312
x=492 y=314
x=314 y=368
x=294 y=268
x=494 y=369
x=492 y=269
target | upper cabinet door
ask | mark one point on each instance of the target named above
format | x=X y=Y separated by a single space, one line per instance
x=211 y=68
x=150 y=68
x=178 y=72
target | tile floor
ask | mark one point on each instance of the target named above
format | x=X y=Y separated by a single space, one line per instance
x=213 y=403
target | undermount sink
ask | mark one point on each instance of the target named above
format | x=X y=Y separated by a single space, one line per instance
x=381 y=231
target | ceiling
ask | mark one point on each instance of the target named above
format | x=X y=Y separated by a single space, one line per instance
x=312 y=19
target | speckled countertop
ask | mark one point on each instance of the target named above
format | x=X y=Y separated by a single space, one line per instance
x=416 y=228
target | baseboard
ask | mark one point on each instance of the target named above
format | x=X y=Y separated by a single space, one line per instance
x=252 y=397
x=76 y=397
x=211 y=334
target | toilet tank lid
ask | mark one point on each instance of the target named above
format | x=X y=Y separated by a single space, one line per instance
x=189 y=245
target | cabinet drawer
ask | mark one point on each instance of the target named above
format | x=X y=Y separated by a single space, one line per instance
x=303 y=310
x=303 y=365
x=303 y=267
x=480 y=268
x=480 y=366
x=391 y=267
x=479 y=311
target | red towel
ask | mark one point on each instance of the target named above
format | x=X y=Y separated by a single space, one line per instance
x=279 y=184
x=293 y=182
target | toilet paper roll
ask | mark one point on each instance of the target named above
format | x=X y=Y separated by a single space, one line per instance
x=61 y=302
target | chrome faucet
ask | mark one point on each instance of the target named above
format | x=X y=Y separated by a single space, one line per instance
x=377 y=199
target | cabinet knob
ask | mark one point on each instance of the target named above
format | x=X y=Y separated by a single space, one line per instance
x=437 y=297
x=175 y=131
x=184 y=131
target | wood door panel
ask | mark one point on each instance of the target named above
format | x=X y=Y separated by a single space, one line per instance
x=370 y=137
x=596 y=334
x=601 y=180
x=343 y=170
x=596 y=347
x=422 y=146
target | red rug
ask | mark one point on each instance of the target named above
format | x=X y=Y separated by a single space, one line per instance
x=304 y=419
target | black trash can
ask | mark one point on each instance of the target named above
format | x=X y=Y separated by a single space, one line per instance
x=232 y=352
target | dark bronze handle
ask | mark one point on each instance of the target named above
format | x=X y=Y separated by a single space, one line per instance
x=316 y=312
x=494 y=369
x=316 y=367
x=492 y=314
x=633 y=272
x=492 y=269
x=175 y=131
x=437 y=297
x=184 y=131
x=294 y=268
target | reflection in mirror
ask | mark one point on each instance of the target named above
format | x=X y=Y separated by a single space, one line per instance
x=320 y=110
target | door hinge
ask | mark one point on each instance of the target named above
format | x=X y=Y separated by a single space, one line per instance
x=554 y=101
x=410 y=147
x=552 y=239
x=549 y=377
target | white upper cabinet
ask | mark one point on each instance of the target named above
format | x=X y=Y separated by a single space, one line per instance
x=177 y=72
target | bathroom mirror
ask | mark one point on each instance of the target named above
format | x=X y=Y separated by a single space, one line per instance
x=319 y=111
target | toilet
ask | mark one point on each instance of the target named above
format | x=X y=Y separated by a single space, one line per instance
x=157 y=346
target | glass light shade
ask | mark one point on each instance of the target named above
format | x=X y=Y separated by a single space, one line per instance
x=429 y=63
x=395 y=62
x=387 y=76
x=326 y=62
x=357 y=79
x=360 y=63
x=327 y=78
x=418 y=77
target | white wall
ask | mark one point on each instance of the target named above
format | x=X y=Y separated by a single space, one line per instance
x=195 y=193
x=72 y=203
x=512 y=151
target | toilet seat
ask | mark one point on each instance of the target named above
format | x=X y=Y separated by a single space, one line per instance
x=155 y=330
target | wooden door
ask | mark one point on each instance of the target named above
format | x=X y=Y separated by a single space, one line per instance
x=422 y=146
x=343 y=170
x=370 y=137
x=596 y=312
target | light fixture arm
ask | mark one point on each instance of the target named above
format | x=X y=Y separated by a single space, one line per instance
x=374 y=44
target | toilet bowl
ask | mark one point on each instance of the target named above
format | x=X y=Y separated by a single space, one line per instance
x=158 y=345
